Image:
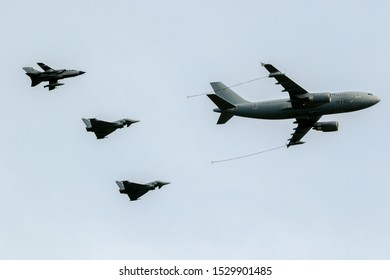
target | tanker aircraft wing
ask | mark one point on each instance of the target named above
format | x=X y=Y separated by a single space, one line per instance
x=298 y=95
x=304 y=125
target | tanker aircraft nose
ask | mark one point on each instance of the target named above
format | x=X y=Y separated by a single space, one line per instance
x=373 y=99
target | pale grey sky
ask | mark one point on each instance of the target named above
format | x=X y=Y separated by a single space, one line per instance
x=326 y=199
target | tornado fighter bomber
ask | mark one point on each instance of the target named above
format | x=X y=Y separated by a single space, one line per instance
x=135 y=190
x=103 y=128
x=305 y=107
x=49 y=75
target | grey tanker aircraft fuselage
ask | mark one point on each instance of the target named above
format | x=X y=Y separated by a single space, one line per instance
x=307 y=108
x=279 y=109
x=50 y=75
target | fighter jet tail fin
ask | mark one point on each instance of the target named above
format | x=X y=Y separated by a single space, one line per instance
x=87 y=122
x=120 y=185
x=30 y=70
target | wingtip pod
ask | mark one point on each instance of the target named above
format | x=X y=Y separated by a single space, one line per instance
x=295 y=143
x=273 y=71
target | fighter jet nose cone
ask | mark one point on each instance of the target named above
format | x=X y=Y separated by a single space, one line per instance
x=163 y=183
x=81 y=72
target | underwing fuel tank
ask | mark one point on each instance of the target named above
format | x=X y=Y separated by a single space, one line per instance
x=54 y=85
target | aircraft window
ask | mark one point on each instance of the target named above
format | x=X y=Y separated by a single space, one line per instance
x=370 y=94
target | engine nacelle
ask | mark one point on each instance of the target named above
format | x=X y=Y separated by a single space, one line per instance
x=326 y=126
x=320 y=97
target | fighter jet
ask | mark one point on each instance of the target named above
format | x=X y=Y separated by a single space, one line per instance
x=103 y=128
x=49 y=75
x=135 y=190
x=307 y=108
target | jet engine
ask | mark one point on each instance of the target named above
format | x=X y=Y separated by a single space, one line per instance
x=320 y=98
x=326 y=126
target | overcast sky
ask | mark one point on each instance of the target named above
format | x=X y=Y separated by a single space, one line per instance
x=326 y=199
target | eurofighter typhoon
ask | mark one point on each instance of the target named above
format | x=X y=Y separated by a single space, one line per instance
x=305 y=107
x=49 y=75
x=104 y=128
x=135 y=190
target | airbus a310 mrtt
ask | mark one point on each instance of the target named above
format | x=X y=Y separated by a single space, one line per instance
x=49 y=75
x=307 y=108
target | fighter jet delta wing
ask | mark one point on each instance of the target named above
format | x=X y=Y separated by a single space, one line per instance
x=135 y=190
x=296 y=92
x=100 y=134
x=304 y=125
x=100 y=128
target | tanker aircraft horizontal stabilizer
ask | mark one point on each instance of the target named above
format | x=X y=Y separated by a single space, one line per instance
x=135 y=190
x=103 y=128
x=49 y=75
x=307 y=108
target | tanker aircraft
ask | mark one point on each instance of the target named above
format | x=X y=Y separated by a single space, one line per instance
x=103 y=128
x=49 y=75
x=307 y=108
x=135 y=190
